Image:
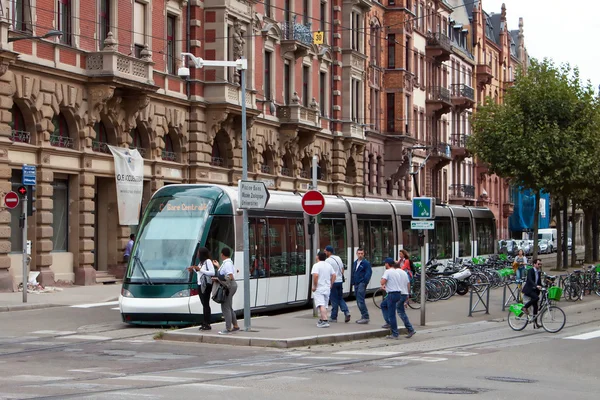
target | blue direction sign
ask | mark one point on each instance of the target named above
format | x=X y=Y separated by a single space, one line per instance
x=423 y=208
x=29 y=175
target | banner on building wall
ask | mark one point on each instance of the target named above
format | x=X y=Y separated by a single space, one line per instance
x=129 y=174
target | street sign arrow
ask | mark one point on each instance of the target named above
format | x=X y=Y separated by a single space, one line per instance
x=253 y=195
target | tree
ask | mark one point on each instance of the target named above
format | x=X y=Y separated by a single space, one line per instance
x=541 y=136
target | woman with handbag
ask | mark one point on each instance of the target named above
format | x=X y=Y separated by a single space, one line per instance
x=519 y=265
x=226 y=280
x=205 y=270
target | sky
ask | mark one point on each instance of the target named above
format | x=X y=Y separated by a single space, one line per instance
x=565 y=31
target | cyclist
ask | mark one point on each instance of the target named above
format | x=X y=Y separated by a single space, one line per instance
x=532 y=287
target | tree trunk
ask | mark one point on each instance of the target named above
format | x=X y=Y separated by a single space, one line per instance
x=565 y=232
x=536 y=222
x=557 y=207
x=595 y=235
x=587 y=235
x=573 y=252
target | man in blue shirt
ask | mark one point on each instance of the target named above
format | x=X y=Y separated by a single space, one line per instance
x=129 y=247
x=361 y=275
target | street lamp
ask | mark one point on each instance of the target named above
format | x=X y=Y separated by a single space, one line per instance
x=241 y=65
x=49 y=34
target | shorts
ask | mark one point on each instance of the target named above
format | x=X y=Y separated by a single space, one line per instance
x=321 y=299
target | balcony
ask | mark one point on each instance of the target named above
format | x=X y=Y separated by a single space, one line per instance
x=297 y=38
x=438 y=46
x=100 y=147
x=354 y=60
x=353 y=130
x=440 y=155
x=461 y=194
x=140 y=150
x=217 y=162
x=375 y=76
x=108 y=65
x=463 y=96
x=508 y=209
x=438 y=100
x=64 y=142
x=301 y=117
x=458 y=145
x=483 y=74
x=20 y=136
x=168 y=156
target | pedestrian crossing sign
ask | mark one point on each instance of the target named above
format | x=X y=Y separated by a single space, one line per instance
x=318 y=37
x=423 y=208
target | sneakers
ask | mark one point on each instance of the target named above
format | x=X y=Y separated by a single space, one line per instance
x=204 y=328
x=333 y=320
x=386 y=326
x=410 y=334
x=235 y=329
x=347 y=319
x=392 y=337
x=322 y=324
x=363 y=321
x=224 y=332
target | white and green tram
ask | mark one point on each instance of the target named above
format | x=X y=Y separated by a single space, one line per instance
x=159 y=290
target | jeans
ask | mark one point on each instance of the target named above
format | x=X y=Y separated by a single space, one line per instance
x=388 y=308
x=402 y=312
x=205 y=300
x=337 y=300
x=520 y=273
x=361 y=292
x=227 y=307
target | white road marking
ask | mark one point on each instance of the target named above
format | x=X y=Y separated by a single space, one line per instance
x=155 y=378
x=326 y=358
x=452 y=353
x=203 y=371
x=585 y=336
x=53 y=333
x=418 y=358
x=116 y=308
x=37 y=378
x=211 y=387
x=87 y=337
x=109 y=303
x=369 y=353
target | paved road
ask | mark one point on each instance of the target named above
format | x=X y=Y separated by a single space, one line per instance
x=86 y=353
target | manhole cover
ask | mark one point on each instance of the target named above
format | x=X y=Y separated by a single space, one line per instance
x=509 y=379
x=446 y=390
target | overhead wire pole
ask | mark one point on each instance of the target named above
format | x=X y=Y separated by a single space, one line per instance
x=241 y=65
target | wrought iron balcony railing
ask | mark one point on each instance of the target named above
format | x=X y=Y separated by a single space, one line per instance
x=265 y=169
x=438 y=39
x=62 y=141
x=462 y=90
x=442 y=149
x=100 y=147
x=438 y=93
x=299 y=32
x=216 y=161
x=141 y=150
x=286 y=171
x=462 y=191
x=168 y=155
x=459 y=140
x=20 y=136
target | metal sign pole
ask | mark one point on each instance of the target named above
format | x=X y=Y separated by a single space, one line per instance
x=25 y=274
x=314 y=244
x=246 y=238
x=423 y=274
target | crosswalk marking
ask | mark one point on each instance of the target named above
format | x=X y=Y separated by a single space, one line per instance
x=108 y=303
x=585 y=336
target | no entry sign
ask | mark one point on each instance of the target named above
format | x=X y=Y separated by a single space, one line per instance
x=313 y=202
x=11 y=200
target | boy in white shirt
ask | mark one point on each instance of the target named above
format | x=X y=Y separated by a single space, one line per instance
x=323 y=277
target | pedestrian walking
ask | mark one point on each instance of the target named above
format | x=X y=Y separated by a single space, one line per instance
x=205 y=270
x=128 y=248
x=520 y=262
x=404 y=298
x=404 y=263
x=395 y=282
x=337 y=291
x=361 y=275
x=323 y=277
x=226 y=277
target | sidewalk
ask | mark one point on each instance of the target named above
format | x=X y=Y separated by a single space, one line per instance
x=69 y=296
x=297 y=329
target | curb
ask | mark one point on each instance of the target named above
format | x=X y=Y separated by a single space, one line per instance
x=276 y=342
x=26 y=307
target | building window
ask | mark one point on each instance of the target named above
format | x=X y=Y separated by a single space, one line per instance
x=286 y=83
x=390 y=112
x=168 y=152
x=407 y=115
x=305 y=7
x=171 y=56
x=287 y=11
x=60 y=215
x=323 y=92
x=21 y=12
x=104 y=20
x=305 y=85
x=356 y=97
x=268 y=8
x=356 y=31
x=64 y=21
x=136 y=142
x=407 y=53
x=391 y=47
x=18 y=132
x=60 y=136
x=139 y=28
x=268 y=77
x=100 y=144
x=323 y=16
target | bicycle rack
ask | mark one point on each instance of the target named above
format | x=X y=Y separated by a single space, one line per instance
x=480 y=295
x=513 y=296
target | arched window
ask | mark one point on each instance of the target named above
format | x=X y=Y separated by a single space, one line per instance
x=100 y=144
x=136 y=142
x=168 y=152
x=378 y=175
x=219 y=151
x=322 y=170
x=267 y=165
x=60 y=136
x=350 y=171
x=287 y=167
x=370 y=173
x=306 y=168
x=18 y=132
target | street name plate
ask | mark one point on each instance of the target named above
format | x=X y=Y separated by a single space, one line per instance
x=253 y=195
x=418 y=225
x=29 y=175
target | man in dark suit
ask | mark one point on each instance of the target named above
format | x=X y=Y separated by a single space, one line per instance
x=532 y=287
x=361 y=275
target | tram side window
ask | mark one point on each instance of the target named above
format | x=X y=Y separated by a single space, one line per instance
x=485 y=236
x=333 y=232
x=297 y=247
x=410 y=241
x=440 y=242
x=221 y=235
x=377 y=238
x=259 y=252
x=278 y=247
x=464 y=237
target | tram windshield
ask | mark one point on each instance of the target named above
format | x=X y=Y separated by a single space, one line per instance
x=167 y=239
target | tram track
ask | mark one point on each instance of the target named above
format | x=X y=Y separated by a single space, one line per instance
x=277 y=358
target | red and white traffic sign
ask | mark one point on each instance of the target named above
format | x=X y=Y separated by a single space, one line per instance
x=313 y=202
x=11 y=200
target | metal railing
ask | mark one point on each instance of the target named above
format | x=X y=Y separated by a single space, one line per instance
x=443 y=149
x=141 y=150
x=286 y=171
x=20 y=136
x=217 y=161
x=459 y=139
x=168 y=155
x=462 y=90
x=62 y=141
x=463 y=191
x=100 y=147
x=438 y=93
x=440 y=40
x=265 y=169
x=299 y=32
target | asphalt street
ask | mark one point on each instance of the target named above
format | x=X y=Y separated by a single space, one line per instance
x=85 y=352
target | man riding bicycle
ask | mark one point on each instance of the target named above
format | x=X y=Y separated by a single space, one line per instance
x=532 y=288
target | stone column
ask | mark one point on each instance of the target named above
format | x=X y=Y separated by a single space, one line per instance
x=44 y=218
x=200 y=149
x=85 y=274
x=6 y=279
x=338 y=161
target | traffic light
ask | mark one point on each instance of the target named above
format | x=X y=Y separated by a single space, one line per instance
x=30 y=200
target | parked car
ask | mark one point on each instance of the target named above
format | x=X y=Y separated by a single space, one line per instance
x=508 y=246
x=569 y=243
x=544 y=246
x=526 y=246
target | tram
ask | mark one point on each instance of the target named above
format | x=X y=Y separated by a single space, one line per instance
x=159 y=290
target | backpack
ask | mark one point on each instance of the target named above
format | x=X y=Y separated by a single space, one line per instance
x=412 y=267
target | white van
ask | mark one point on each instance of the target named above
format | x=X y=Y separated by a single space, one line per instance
x=550 y=235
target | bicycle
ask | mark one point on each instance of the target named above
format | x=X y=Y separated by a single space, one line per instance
x=380 y=295
x=551 y=317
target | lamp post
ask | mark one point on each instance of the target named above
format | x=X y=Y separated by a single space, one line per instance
x=241 y=65
x=49 y=34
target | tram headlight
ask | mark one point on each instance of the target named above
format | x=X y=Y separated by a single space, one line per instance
x=126 y=293
x=182 y=293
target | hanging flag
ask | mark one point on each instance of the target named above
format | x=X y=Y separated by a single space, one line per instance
x=129 y=175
